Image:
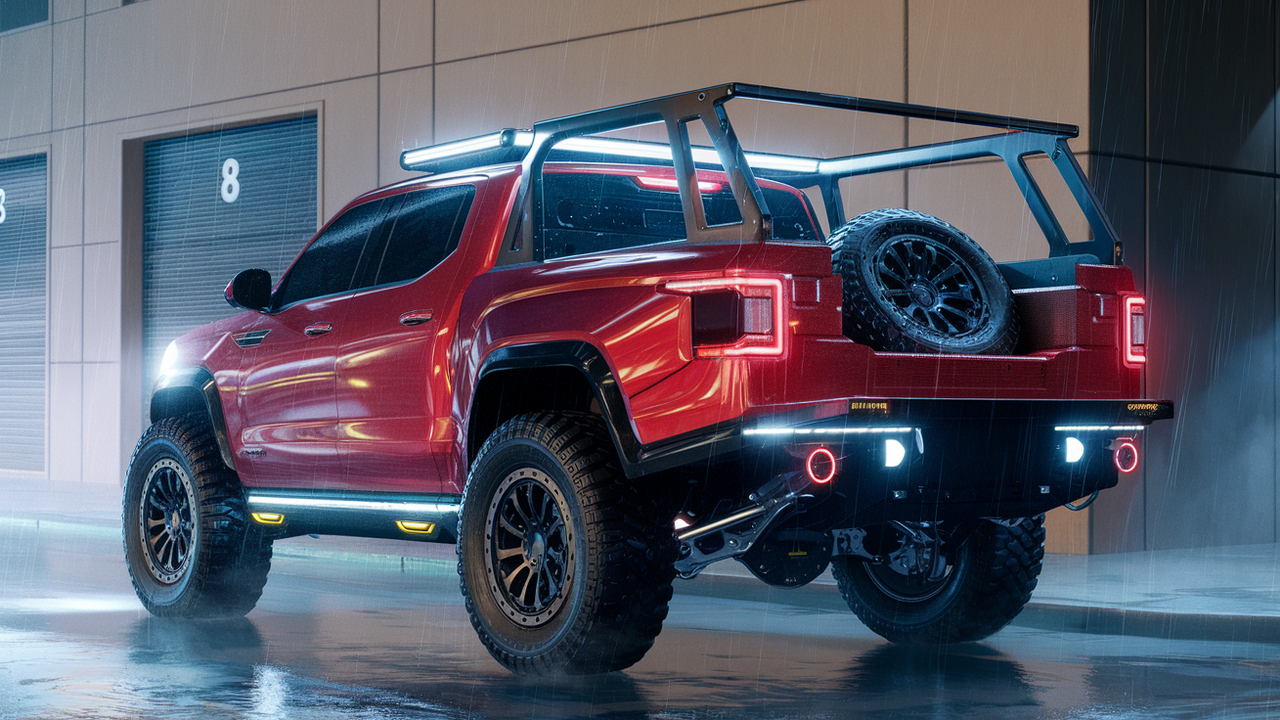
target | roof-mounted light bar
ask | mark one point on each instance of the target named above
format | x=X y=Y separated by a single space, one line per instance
x=517 y=140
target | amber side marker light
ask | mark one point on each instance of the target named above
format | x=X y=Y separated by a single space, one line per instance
x=415 y=527
x=267 y=518
x=1126 y=455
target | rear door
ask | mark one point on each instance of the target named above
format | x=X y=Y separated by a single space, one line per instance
x=287 y=399
x=392 y=365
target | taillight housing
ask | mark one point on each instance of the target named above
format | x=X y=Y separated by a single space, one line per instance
x=1135 y=330
x=734 y=316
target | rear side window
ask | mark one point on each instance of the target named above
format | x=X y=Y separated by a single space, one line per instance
x=592 y=212
x=426 y=228
x=329 y=264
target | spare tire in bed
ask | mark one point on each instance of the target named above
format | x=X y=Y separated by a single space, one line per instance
x=913 y=283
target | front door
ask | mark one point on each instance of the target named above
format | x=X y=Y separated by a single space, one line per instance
x=287 y=399
x=393 y=390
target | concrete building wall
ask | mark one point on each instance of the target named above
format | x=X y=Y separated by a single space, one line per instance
x=387 y=75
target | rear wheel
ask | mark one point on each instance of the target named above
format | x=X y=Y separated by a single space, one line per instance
x=968 y=594
x=189 y=545
x=565 y=565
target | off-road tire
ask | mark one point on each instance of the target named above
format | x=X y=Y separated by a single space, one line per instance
x=614 y=593
x=991 y=580
x=873 y=307
x=227 y=560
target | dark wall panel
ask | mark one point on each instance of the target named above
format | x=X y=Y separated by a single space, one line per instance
x=1213 y=83
x=1211 y=473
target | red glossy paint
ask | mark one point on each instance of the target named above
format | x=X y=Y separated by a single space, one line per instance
x=377 y=404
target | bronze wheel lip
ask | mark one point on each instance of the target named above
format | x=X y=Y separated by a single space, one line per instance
x=551 y=519
x=168 y=531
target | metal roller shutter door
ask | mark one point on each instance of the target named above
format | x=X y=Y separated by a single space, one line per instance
x=215 y=204
x=23 y=239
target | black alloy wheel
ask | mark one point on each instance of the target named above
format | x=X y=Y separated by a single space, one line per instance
x=532 y=553
x=934 y=286
x=168 y=530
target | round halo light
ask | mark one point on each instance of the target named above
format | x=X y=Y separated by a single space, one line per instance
x=821 y=466
x=1126 y=455
x=894 y=453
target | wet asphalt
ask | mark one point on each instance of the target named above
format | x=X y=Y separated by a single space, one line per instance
x=340 y=634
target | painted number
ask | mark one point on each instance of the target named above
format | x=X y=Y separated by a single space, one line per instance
x=230 y=185
x=3 y=212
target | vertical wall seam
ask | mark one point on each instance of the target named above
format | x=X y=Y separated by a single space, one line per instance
x=377 y=169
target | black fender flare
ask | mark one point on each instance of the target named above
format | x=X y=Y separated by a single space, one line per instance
x=586 y=359
x=637 y=459
x=192 y=390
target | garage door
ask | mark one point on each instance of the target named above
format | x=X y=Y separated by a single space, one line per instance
x=23 y=233
x=215 y=204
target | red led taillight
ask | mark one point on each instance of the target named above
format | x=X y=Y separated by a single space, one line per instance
x=1135 y=329
x=734 y=316
x=821 y=466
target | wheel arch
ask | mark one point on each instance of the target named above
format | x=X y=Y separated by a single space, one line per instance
x=192 y=390
x=548 y=376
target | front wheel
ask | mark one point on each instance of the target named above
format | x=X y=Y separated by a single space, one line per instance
x=969 y=593
x=189 y=545
x=565 y=565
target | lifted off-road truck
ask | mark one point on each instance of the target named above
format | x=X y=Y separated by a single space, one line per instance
x=598 y=359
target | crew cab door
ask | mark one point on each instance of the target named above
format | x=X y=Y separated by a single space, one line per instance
x=392 y=365
x=287 y=399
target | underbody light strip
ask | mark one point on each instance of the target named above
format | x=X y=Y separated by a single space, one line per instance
x=352 y=504
x=1098 y=428
x=825 y=431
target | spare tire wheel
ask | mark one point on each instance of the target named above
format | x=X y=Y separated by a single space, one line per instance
x=913 y=283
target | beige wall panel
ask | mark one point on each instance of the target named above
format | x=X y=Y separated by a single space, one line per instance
x=65 y=422
x=97 y=6
x=67 y=9
x=1010 y=57
x=104 y=444
x=350 y=143
x=405 y=120
x=68 y=74
x=479 y=27
x=1067 y=532
x=66 y=200
x=102 y=302
x=871 y=192
x=154 y=56
x=406 y=35
x=982 y=200
x=102 y=172
x=66 y=304
x=25 y=82
x=857 y=46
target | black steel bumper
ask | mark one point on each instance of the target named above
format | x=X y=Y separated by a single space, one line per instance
x=918 y=460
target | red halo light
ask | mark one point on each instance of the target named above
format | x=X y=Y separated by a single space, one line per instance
x=1126 y=455
x=821 y=466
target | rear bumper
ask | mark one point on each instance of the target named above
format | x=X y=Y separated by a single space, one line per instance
x=916 y=460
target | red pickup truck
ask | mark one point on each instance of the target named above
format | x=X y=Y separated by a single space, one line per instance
x=597 y=363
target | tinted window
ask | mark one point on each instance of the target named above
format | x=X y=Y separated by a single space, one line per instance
x=591 y=212
x=425 y=230
x=329 y=264
x=21 y=13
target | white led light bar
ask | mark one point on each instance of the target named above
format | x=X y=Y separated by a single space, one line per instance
x=655 y=151
x=274 y=500
x=825 y=431
x=1098 y=428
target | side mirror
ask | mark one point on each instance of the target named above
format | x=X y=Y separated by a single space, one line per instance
x=251 y=289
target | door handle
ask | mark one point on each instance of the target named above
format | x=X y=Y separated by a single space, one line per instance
x=318 y=329
x=415 y=317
